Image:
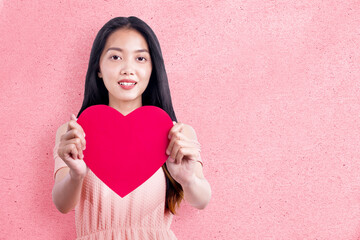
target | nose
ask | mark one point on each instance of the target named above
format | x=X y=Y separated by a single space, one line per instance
x=127 y=68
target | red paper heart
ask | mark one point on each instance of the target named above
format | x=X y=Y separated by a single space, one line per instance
x=125 y=151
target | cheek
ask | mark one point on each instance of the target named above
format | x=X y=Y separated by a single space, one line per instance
x=145 y=73
x=148 y=72
x=107 y=67
x=109 y=72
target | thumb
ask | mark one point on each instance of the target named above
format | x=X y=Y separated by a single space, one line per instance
x=73 y=117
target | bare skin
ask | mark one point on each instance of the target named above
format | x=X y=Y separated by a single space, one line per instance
x=68 y=180
x=184 y=167
x=126 y=56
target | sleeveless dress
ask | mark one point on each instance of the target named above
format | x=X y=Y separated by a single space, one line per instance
x=102 y=214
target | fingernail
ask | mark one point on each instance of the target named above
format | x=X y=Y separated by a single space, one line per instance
x=167 y=152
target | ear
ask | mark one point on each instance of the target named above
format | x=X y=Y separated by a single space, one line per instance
x=99 y=75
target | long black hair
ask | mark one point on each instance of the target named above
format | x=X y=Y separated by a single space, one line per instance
x=157 y=92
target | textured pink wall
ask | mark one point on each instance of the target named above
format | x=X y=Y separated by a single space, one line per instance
x=271 y=87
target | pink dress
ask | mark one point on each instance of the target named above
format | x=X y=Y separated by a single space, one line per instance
x=102 y=214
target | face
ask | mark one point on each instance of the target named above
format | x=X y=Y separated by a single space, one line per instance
x=125 y=57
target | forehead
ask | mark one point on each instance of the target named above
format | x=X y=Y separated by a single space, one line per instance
x=127 y=39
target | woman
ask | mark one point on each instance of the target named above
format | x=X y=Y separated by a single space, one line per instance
x=126 y=71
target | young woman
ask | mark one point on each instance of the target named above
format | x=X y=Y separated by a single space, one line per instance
x=126 y=71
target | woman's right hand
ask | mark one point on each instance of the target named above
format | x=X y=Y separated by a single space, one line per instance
x=71 y=147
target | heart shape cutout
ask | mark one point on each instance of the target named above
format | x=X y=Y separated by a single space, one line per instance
x=125 y=151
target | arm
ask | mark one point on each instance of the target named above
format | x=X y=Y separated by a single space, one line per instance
x=67 y=189
x=198 y=191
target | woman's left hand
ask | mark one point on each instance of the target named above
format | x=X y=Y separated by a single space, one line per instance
x=184 y=153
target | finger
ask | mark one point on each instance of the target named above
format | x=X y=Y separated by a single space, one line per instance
x=80 y=147
x=77 y=143
x=190 y=153
x=75 y=133
x=179 y=156
x=74 y=125
x=170 y=159
x=170 y=146
x=184 y=137
x=181 y=143
x=174 y=150
x=183 y=140
x=189 y=143
x=72 y=151
x=72 y=118
x=176 y=128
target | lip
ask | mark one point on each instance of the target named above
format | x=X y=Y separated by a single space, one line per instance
x=127 y=80
x=127 y=87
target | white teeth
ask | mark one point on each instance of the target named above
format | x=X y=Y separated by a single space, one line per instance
x=126 y=83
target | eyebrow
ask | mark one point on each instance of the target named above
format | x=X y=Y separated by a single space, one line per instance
x=120 y=49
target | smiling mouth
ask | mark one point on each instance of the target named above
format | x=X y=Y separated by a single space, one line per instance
x=126 y=83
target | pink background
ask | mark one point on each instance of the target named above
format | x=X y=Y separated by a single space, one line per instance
x=271 y=87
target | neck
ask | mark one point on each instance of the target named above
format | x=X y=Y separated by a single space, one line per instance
x=125 y=107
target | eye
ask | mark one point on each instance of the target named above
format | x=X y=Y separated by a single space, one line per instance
x=115 y=57
x=143 y=59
